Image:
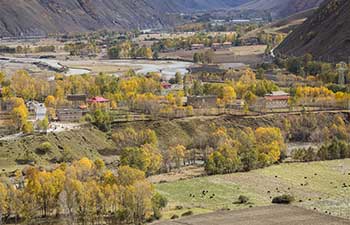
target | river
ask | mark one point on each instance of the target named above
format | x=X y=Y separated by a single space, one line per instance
x=167 y=68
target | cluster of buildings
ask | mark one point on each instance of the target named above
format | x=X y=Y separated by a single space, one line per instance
x=275 y=100
x=79 y=106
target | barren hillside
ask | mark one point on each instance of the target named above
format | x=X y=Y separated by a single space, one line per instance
x=281 y=8
x=326 y=35
x=37 y=17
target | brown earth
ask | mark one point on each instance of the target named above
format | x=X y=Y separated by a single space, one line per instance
x=269 y=215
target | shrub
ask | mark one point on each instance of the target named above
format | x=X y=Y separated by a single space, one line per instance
x=304 y=155
x=179 y=207
x=173 y=217
x=243 y=199
x=188 y=213
x=283 y=199
x=44 y=148
x=158 y=202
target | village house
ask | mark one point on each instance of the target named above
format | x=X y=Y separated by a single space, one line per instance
x=277 y=99
x=100 y=101
x=6 y=105
x=201 y=102
x=75 y=110
x=197 y=46
x=69 y=114
x=251 y=41
x=38 y=109
x=227 y=44
x=77 y=100
x=238 y=104
x=216 y=46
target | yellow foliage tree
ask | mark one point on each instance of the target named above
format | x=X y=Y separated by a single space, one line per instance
x=177 y=153
x=50 y=101
x=270 y=143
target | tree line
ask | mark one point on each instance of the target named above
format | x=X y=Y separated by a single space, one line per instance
x=84 y=192
x=227 y=150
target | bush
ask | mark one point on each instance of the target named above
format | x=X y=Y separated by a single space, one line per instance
x=179 y=207
x=283 y=199
x=188 y=213
x=243 y=199
x=173 y=217
x=44 y=148
x=305 y=155
x=158 y=202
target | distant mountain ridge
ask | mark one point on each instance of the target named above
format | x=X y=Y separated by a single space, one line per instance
x=281 y=8
x=194 y=5
x=41 y=17
x=326 y=34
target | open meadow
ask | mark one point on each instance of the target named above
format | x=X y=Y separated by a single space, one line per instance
x=319 y=186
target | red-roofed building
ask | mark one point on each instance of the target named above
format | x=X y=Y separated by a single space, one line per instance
x=278 y=99
x=100 y=101
x=166 y=85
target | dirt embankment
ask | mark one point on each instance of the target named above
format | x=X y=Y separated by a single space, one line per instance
x=193 y=132
x=190 y=132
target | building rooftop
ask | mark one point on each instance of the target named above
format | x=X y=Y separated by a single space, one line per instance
x=98 y=99
x=278 y=93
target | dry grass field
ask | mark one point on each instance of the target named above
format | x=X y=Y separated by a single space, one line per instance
x=240 y=54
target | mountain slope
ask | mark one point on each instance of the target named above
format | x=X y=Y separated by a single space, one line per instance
x=281 y=8
x=36 y=17
x=326 y=35
x=194 y=5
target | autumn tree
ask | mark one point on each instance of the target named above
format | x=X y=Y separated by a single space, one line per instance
x=50 y=101
x=177 y=154
x=25 y=86
x=3 y=201
x=20 y=114
x=224 y=160
x=270 y=144
x=146 y=158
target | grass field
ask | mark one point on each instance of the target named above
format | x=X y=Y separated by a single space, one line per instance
x=320 y=186
x=86 y=142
